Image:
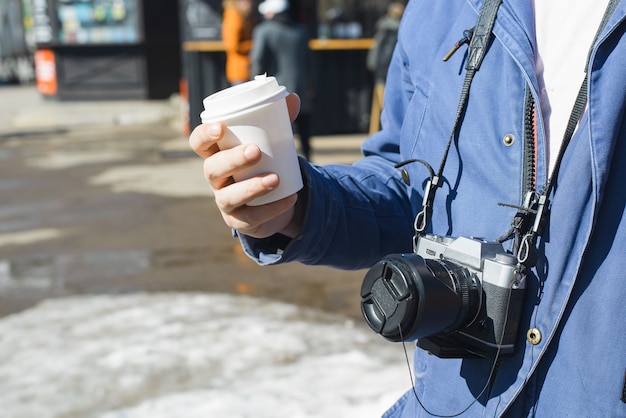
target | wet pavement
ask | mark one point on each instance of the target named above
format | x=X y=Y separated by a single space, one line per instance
x=106 y=198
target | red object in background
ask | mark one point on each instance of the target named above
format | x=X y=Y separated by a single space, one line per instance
x=45 y=72
x=183 y=88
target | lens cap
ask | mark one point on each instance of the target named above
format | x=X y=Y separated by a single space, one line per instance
x=403 y=299
x=388 y=298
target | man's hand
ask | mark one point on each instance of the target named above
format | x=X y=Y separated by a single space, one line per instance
x=232 y=197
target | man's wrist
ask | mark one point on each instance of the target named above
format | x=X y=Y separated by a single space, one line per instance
x=294 y=228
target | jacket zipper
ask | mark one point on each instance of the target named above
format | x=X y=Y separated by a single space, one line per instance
x=530 y=136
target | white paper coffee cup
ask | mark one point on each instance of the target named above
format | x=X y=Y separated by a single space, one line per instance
x=256 y=112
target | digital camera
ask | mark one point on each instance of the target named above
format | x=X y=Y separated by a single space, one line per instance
x=459 y=297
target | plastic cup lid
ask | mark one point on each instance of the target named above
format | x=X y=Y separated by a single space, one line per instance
x=239 y=98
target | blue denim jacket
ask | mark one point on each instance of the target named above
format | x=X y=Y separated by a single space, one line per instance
x=576 y=296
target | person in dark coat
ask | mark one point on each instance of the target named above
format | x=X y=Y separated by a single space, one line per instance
x=280 y=48
x=379 y=57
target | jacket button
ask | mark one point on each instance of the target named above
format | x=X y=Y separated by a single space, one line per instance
x=533 y=336
x=405 y=177
x=508 y=139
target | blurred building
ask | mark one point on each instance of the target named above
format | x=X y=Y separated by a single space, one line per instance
x=151 y=49
x=105 y=49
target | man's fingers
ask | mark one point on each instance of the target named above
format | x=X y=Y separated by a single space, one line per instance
x=203 y=139
x=293 y=105
x=242 y=192
x=261 y=221
x=218 y=168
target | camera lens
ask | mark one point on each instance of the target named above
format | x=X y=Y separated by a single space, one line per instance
x=405 y=297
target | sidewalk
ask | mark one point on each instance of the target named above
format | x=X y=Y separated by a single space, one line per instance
x=23 y=109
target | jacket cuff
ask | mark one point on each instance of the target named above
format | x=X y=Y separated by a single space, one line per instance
x=282 y=249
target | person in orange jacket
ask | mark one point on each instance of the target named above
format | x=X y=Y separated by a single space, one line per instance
x=237 y=25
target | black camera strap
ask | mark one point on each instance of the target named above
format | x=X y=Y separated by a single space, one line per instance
x=481 y=36
x=479 y=41
x=538 y=207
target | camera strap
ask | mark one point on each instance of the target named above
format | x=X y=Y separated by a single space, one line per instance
x=479 y=40
x=538 y=205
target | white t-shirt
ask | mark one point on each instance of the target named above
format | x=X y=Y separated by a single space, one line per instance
x=565 y=30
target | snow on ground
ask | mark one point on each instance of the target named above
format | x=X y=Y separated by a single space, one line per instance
x=191 y=356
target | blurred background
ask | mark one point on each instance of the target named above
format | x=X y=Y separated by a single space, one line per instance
x=122 y=293
x=112 y=49
x=86 y=82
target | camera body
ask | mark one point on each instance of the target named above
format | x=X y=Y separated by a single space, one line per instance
x=459 y=297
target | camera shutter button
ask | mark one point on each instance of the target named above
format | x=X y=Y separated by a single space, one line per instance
x=533 y=336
